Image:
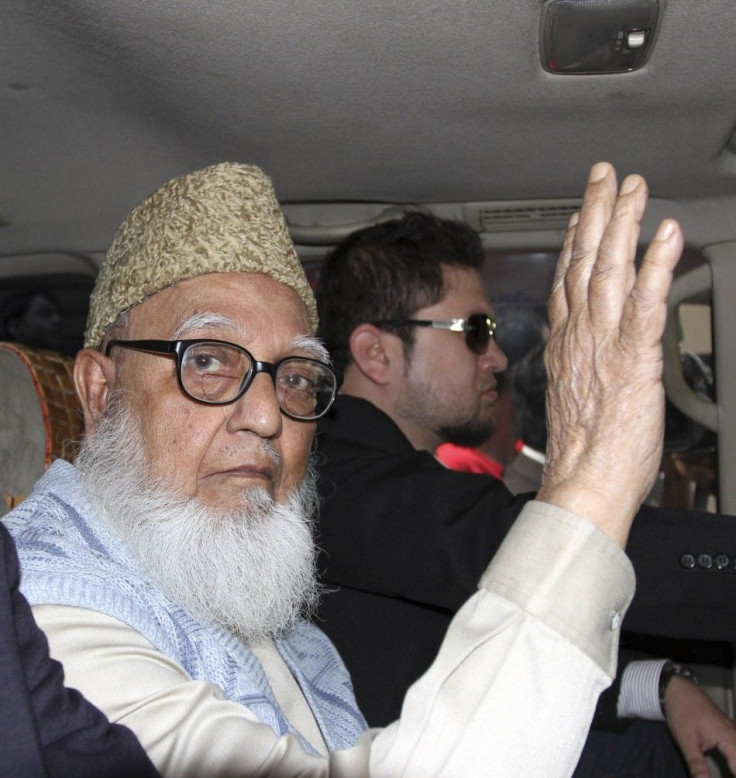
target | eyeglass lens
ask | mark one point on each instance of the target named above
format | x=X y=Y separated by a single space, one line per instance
x=478 y=333
x=215 y=372
x=304 y=389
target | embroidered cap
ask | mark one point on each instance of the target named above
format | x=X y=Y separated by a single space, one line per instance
x=222 y=219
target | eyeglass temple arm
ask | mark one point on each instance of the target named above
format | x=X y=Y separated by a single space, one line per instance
x=455 y=325
x=152 y=346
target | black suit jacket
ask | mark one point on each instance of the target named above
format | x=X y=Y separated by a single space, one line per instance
x=45 y=728
x=404 y=541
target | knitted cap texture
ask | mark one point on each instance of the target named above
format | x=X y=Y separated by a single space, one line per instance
x=222 y=219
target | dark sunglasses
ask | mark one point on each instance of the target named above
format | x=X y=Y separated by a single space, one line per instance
x=479 y=328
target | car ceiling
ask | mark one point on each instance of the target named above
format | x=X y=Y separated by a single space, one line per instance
x=399 y=101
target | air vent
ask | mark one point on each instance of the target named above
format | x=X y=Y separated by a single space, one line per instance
x=520 y=215
x=330 y=234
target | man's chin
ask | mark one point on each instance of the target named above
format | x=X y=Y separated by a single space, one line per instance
x=228 y=496
x=470 y=435
x=228 y=509
x=234 y=495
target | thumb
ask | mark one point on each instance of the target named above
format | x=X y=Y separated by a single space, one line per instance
x=690 y=744
x=696 y=764
x=698 y=767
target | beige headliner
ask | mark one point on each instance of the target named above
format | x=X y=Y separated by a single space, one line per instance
x=398 y=101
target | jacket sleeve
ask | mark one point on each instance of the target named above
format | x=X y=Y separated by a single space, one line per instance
x=405 y=526
x=47 y=729
x=454 y=522
x=685 y=564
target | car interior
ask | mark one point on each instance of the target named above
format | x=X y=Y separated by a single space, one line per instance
x=486 y=111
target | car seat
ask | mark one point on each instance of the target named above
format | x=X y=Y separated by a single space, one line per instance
x=40 y=419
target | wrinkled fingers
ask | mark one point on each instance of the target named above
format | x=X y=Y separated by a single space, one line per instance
x=595 y=214
x=613 y=274
x=645 y=313
x=557 y=301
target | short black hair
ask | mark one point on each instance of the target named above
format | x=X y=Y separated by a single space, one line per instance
x=387 y=272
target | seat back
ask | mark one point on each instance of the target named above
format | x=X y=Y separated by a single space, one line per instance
x=40 y=419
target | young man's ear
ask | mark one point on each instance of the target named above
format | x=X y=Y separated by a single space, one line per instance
x=94 y=374
x=376 y=352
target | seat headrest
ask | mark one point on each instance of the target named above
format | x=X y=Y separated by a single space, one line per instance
x=40 y=419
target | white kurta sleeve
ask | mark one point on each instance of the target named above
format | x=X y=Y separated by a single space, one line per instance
x=512 y=691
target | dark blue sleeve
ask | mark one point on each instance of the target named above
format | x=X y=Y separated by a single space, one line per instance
x=45 y=728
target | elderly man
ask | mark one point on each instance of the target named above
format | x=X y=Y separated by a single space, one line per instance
x=171 y=565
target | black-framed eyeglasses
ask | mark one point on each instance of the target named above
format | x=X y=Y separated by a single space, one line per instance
x=216 y=372
x=479 y=328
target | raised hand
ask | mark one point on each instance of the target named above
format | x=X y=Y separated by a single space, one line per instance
x=605 y=400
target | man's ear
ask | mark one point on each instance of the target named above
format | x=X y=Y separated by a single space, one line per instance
x=375 y=352
x=94 y=374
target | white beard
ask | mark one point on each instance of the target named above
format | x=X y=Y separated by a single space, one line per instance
x=251 y=570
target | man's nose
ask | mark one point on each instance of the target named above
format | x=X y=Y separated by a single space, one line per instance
x=494 y=359
x=258 y=409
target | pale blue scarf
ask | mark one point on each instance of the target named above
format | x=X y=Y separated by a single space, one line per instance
x=69 y=558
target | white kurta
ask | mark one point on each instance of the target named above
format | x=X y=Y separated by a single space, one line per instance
x=512 y=691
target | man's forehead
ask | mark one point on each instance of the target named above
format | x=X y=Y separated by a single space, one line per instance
x=210 y=320
x=232 y=295
x=464 y=292
x=459 y=275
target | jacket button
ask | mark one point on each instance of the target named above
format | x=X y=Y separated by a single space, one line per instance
x=687 y=561
x=705 y=561
x=723 y=561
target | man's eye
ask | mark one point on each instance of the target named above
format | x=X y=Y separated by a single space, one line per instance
x=298 y=381
x=212 y=360
x=207 y=363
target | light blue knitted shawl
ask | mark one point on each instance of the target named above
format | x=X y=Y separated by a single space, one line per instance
x=69 y=558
